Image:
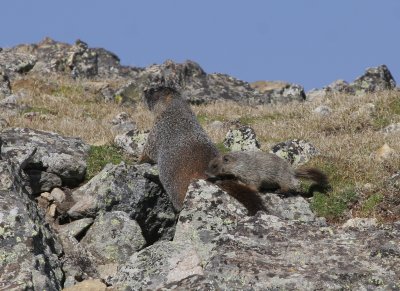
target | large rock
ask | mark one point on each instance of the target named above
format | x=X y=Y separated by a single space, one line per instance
x=241 y=138
x=29 y=252
x=78 y=60
x=374 y=79
x=297 y=152
x=134 y=189
x=14 y=63
x=54 y=155
x=217 y=246
x=113 y=237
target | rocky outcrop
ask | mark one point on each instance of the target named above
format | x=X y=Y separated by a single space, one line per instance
x=217 y=246
x=374 y=79
x=133 y=189
x=29 y=251
x=279 y=92
x=56 y=160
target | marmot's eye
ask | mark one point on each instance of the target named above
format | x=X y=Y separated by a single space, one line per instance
x=214 y=166
x=226 y=159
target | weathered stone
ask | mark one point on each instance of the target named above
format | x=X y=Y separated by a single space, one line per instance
x=132 y=142
x=373 y=80
x=113 y=237
x=41 y=181
x=392 y=128
x=297 y=152
x=82 y=61
x=279 y=92
x=316 y=94
x=157 y=265
x=133 y=189
x=293 y=208
x=323 y=110
x=75 y=228
x=360 y=223
x=58 y=195
x=339 y=86
x=54 y=154
x=241 y=138
x=28 y=251
x=13 y=63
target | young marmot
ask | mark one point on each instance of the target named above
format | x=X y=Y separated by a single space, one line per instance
x=262 y=171
x=182 y=149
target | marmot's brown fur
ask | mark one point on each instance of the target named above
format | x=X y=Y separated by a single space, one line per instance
x=262 y=171
x=182 y=149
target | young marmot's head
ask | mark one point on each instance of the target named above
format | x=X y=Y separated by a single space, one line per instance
x=152 y=96
x=221 y=167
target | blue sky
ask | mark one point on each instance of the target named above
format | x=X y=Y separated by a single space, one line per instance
x=309 y=42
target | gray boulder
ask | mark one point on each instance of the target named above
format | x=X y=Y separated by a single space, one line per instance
x=374 y=79
x=134 y=189
x=113 y=238
x=54 y=156
x=217 y=246
x=296 y=151
x=132 y=142
x=29 y=251
x=15 y=63
x=241 y=138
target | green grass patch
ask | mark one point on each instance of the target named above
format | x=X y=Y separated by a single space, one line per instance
x=222 y=149
x=335 y=203
x=99 y=156
x=204 y=118
x=369 y=205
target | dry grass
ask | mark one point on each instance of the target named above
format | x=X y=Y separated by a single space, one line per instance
x=346 y=139
x=72 y=108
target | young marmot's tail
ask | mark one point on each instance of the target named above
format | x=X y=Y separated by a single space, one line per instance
x=312 y=174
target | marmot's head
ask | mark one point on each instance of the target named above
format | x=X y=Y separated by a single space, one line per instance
x=222 y=167
x=154 y=95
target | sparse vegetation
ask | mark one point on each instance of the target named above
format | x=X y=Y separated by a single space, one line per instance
x=99 y=156
x=346 y=139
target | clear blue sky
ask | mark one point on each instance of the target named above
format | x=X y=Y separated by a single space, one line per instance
x=309 y=42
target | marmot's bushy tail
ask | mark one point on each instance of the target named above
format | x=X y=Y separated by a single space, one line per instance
x=312 y=174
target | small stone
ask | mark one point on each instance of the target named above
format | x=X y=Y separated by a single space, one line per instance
x=52 y=210
x=58 y=195
x=323 y=110
x=47 y=196
x=75 y=228
x=217 y=125
x=360 y=223
x=383 y=153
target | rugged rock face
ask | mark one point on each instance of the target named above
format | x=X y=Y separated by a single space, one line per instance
x=217 y=246
x=56 y=160
x=29 y=251
x=374 y=79
x=279 y=92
